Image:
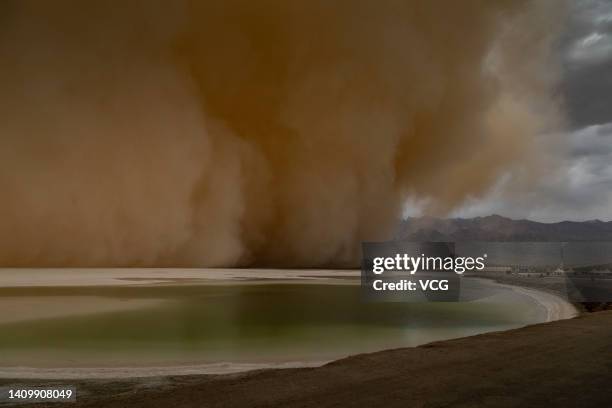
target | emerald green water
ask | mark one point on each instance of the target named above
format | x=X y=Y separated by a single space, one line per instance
x=241 y=323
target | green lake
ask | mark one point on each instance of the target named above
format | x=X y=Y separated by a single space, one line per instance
x=239 y=323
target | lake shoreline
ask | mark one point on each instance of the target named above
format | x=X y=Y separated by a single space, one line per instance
x=493 y=369
x=556 y=309
x=555 y=305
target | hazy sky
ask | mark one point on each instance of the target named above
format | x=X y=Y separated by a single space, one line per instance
x=581 y=188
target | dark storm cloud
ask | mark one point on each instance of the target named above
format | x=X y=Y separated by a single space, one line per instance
x=585 y=184
x=588 y=92
x=587 y=49
x=595 y=140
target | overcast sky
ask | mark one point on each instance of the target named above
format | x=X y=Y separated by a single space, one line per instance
x=582 y=188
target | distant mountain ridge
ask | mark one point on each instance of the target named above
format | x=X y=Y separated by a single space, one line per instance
x=498 y=228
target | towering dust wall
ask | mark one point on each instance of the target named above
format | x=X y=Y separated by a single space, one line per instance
x=268 y=132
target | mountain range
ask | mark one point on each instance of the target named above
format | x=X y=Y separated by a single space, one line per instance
x=498 y=228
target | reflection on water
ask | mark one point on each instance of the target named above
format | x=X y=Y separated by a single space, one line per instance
x=241 y=323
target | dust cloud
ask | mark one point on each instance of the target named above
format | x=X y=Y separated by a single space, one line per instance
x=268 y=132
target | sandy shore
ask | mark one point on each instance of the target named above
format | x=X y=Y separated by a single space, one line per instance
x=560 y=364
x=112 y=373
x=556 y=307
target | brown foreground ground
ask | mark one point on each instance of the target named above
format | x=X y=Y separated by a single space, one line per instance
x=561 y=364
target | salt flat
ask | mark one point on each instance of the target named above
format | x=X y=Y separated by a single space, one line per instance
x=26 y=277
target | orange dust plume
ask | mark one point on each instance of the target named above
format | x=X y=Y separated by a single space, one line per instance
x=268 y=132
